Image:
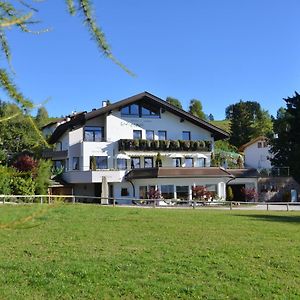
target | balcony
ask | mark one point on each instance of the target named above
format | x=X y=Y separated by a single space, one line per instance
x=93 y=176
x=164 y=145
x=55 y=155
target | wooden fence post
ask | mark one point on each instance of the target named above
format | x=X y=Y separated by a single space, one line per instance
x=230 y=205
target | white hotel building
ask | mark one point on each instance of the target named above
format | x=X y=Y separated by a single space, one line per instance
x=121 y=142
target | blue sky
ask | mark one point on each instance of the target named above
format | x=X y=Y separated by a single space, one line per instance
x=216 y=51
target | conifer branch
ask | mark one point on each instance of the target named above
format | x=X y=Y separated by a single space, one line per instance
x=10 y=88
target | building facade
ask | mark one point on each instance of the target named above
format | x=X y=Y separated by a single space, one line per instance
x=138 y=144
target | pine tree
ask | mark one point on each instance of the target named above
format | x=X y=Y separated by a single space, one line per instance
x=285 y=146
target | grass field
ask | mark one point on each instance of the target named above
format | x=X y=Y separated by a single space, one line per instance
x=94 y=252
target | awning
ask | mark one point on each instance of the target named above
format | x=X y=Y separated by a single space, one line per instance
x=122 y=156
x=138 y=153
x=176 y=155
x=199 y=155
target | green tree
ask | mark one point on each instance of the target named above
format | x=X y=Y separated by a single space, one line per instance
x=285 y=145
x=174 y=102
x=43 y=177
x=42 y=117
x=195 y=109
x=16 y=133
x=211 y=117
x=247 y=121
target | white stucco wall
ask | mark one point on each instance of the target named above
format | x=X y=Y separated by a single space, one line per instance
x=257 y=157
x=120 y=127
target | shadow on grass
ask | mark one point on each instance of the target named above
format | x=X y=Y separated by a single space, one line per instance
x=273 y=218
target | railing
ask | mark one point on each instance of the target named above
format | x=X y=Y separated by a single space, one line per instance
x=155 y=203
x=48 y=153
x=163 y=145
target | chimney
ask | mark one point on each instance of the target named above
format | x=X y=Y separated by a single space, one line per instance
x=104 y=103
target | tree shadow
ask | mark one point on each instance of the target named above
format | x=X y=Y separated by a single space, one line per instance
x=273 y=218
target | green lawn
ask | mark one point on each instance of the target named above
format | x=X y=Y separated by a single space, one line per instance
x=94 y=252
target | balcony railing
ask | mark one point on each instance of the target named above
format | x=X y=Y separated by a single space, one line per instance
x=164 y=145
x=49 y=153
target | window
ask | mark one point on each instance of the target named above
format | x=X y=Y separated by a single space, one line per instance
x=137 y=134
x=186 y=135
x=182 y=192
x=93 y=134
x=122 y=164
x=58 y=164
x=212 y=188
x=167 y=191
x=265 y=144
x=124 y=192
x=75 y=163
x=143 y=192
x=177 y=162
x=259 y=145
x=150 y=112
x=149 y=134
x=98 y=162
x=140 y=111
x=58 y=146
x=189 y=162
x=162 y=135
x=201 y=162
x=130 y=110
x=148 y=162
x=135 y=163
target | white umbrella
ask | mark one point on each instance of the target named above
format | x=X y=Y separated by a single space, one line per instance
x=104 y=191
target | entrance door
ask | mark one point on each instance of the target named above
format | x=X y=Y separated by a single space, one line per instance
x=238 y=195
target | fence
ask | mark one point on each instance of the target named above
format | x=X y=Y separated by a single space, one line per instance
x=161 y=203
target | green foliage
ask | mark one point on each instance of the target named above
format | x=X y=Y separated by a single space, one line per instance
x=224 y=145
x=223 y=124
x=174 y=102
x=16 y=133
x=42 y=117
x=158 y=160
x=229 y=193
x=22 y=185
x=247 y=121
x=43 y=177
x=5 y=175
x=286 y=146
x=195 y=109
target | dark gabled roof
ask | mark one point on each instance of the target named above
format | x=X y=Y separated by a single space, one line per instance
x=75 y=121
x=243 y=173
x=178 y=173
x=216 y=131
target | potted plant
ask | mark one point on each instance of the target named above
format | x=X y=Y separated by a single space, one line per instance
x=158 y=160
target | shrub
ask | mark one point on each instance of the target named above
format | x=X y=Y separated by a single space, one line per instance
x=154 y=194
x=43 y=177
x=250 y=194
x=5 y=177
x=201 y=193
x=26 y=163
x=22 y=185
x=229 y=194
